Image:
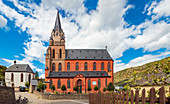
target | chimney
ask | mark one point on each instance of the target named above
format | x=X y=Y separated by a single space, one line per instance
x=15 y=61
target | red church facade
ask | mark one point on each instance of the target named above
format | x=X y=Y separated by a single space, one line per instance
x=75 y=67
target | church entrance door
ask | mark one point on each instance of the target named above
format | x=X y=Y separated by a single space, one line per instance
x=79 y=85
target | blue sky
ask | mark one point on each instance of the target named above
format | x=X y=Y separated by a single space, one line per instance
x=135 y=31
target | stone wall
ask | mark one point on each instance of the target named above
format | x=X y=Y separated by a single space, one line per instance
x=7 y=95
x=59 y=96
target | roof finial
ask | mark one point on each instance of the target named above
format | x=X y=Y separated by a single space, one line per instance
x=15 y=61
x=57 y=22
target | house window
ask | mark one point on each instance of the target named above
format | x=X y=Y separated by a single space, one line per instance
x=108 y=66
x=21 y=77
x=60 y=53
x=53 y=67
x=89 y=83
x=85 y=66
x=59 y=84
x=106 y=82
x=12 y=77
x=68 y=83
x=94 y=66
x=29 y=78
x=68 y=66
x=59 y=67
x=53 y=53
x=99 y=83
x=51 y=83
x=102 y=66
x=77 y=66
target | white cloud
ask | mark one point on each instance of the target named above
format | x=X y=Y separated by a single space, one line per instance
x=42 y=76
x=3 y=21
x=16 y=56
x=39 y=70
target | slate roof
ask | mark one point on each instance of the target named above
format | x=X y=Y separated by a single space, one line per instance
x=74 y=73
x=20 y=68
x=90 y=54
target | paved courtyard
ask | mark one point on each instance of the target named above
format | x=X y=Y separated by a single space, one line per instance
x=33 y=99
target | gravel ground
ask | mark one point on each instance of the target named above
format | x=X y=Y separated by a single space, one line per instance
x=33 y=99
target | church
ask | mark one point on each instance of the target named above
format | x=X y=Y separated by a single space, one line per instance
x=75 y=67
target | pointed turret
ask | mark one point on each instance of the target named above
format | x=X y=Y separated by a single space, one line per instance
x=57 y=23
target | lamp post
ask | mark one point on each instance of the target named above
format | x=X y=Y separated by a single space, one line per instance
x=44 y=84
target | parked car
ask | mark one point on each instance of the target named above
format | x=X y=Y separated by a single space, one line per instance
x=22 y=89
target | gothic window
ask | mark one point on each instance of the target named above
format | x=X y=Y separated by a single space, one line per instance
x=60 y=53
x=68 y=83
x=59 y=67
x=51 y=83
x=59 y=84
x=106 y=82
x=89 y=83
x=85 y=66
x=94 y=66
x=29 y=78
x=102 y=66
x=21 y=77
x=108 y=66
x=53 y=67
x=77 y=66
x=12 y=77
x=53 y=53
x=68 y=66
x=99 y=83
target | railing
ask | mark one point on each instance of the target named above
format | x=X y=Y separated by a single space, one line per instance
x=130 y=97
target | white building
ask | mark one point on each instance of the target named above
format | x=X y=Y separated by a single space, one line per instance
x=17 y=74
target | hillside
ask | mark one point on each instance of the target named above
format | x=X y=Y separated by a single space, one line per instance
x=2 y=71
x=143 y=73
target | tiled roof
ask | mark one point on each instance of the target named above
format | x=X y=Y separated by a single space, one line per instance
x=74 y=73
x=90 y=54
x=20 y=68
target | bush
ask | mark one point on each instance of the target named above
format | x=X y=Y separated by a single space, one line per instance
x=89 y=89
x=104 y=89
x=96 y=88
x=126 y=87
x=75 y=88
x=63 y=88
x=56 y=93
x=41 y=86
x=27 y=84
x=69 y=92
x=110 y=87
x=52 y=88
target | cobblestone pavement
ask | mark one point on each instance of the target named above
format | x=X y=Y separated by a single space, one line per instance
x=33 y=99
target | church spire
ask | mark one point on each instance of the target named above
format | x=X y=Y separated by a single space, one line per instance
x=57 y=22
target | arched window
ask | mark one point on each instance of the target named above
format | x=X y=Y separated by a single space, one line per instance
x=51 y=83
x=53 y=67
x=60 y=53
x=77 y=66
x=99 y=83
x=21 y=77
x=29 y=78
x=94 y=66
x=59 y=84
x=106 y=82
x=68 y=66
x=53 y=53
x=85 y=66
x=102 y=66
x=108 y=66
x=59 y=67
x=12 y=77
x=68 y=83
x=89 y=83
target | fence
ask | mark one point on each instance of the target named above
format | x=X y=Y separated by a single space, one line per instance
x=130 y=97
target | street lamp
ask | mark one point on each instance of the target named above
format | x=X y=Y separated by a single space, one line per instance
x=44 y=84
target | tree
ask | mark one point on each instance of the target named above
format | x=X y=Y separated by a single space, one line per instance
x=89 y=89
x=134 y=78
x=104 y=89
x=41 y=86
x=36 y=75
x=27 y=84
x=96 y=88
x=166 y=71
x=110 y=87
x=52 y=88
x=63 y=88
x=75 y=88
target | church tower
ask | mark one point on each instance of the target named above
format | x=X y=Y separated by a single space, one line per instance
x=55 y=56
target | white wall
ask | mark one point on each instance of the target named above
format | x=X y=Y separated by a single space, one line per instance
x=17 y=78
